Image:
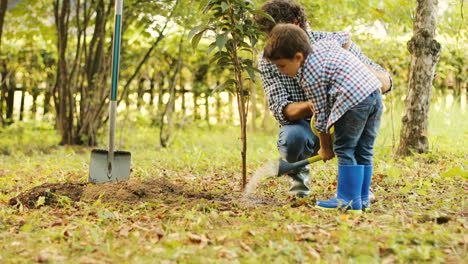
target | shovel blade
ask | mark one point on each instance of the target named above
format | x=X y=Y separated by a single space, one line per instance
x=99 y=171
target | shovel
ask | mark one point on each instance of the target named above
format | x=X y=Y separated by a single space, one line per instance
x=110 y=165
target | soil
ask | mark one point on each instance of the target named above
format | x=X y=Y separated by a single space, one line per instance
x=129 y=192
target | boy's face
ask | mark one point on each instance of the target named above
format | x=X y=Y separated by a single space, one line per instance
x=290 y=67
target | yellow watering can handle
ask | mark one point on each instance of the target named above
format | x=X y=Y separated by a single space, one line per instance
x=314 y=159
x=332 y=129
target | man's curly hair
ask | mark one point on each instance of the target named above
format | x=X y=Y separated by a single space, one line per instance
x=282 y=11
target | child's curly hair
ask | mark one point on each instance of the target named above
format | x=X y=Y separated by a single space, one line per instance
x=283 y=11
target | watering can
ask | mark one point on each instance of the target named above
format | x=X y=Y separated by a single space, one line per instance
x=284 y=166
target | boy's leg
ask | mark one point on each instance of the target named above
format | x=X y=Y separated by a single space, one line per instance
x=297 y=142
x=365 y=148
x=348 y=131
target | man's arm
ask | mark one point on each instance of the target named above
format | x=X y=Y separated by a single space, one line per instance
x=383 y=77
x=297 y=111
x=286 y=100
x=344 y=38
x=381 y=74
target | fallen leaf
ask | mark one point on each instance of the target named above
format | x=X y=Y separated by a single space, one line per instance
x=228 y=254
x=49 y=255
x=245 y=247
x=221 y=238
x=198 y=239
x=313 y=253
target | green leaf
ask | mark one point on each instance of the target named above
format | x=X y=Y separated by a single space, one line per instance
x=224 y=6
x=203 y=4
x=221 y=40
x=224 y=85
x=456 y=171
x=40 y=201
x=261 y=13
x=196 y=30
x=211 y=48
x=196 y=40
x=251 y=73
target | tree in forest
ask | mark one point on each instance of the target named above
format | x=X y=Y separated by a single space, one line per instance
x=236 y=34
x=81 y=89
x=425 y=51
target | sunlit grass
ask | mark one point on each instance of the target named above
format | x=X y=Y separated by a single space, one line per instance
x=418 y=216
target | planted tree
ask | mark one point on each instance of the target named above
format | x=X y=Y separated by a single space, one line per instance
x=235 y=37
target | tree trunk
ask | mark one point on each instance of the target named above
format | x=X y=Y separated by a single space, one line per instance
x=62 y=98
x=218 y=107
x=166 y=117
x=196 y=115
x=10 y=98
x=140 y=92
x=78 y=121
x=230 y=114
x=182 y=94
x=151 y=91
x=207 y=107
x=253 y=103
x=425 y=51
x=3 y=90
x=21 y=110
x=3 y=8
x=160 y=102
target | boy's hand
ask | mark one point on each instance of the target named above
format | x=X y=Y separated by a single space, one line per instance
x=326 y=147
x=326 y=153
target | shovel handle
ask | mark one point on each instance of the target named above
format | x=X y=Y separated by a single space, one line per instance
x=115 y=78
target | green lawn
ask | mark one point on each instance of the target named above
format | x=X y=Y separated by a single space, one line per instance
x=196 y=212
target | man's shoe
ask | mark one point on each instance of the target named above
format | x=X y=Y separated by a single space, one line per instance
x=299 y=180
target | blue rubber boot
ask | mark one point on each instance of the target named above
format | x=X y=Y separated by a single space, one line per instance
x=366 y=182
x=350 y=178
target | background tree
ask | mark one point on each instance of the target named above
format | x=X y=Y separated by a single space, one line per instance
x=425 y=51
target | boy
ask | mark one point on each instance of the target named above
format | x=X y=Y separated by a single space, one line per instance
x=288 y=102
x=345 y=94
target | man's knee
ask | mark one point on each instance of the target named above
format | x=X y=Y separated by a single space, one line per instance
x=294 y=144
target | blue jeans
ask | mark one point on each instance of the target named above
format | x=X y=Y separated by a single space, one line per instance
x=297 y=142
x=356 y=131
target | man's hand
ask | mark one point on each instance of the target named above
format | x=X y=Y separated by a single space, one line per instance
x=383 y=78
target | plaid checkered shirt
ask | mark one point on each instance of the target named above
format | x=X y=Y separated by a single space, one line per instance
x=281 y=90
x=334 y=80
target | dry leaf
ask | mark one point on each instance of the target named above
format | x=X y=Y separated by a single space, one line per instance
x=245 y=247
x=228 y=254
x=313 y=253
x=198 y=239
x=221 y=238
x=49 y=255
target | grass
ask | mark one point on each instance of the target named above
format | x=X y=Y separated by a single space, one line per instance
x=419 y=215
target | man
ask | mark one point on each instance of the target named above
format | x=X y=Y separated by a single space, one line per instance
x=288 y=102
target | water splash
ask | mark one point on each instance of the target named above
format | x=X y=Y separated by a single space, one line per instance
x=269 y=168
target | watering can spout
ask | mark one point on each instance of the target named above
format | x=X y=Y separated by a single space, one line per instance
x=285 y=167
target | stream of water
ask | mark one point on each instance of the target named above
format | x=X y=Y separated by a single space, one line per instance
x=269 y=168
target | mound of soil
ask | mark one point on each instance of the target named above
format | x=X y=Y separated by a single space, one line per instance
x=128 y=192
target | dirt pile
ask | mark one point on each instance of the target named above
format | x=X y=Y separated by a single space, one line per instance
x=128 y=192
